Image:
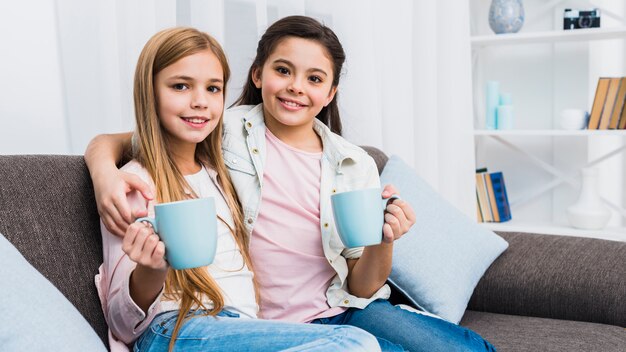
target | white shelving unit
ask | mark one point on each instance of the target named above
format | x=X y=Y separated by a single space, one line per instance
x=570 y=133
x=548 y=37
x=515 y=143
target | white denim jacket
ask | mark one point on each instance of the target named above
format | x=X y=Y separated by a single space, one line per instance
x=345 y=167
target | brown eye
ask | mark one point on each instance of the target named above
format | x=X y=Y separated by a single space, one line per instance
x=315 y=79
x=180 y=86
x=282 y=70
x=214 y=89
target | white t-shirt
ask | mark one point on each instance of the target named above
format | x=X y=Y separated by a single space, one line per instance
x=228 y=268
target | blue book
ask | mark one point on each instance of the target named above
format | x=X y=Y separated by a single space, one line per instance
x=502 y=201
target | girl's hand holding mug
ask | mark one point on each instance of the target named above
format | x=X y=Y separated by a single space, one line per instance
x=399 y=216
x=144 y=247
x=360 y=214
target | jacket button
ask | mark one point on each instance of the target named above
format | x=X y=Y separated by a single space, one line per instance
x=234 y=161
x=326 y=225
x=249 y=124
x=250 y=221
x=345 y=301
x=255 y=151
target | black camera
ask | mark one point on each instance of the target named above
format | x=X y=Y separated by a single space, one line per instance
x=573 y=19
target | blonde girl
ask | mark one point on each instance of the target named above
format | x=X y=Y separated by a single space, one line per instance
x=179 y=86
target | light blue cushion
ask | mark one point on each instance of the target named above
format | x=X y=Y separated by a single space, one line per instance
x=438 y=263
x=35 y=315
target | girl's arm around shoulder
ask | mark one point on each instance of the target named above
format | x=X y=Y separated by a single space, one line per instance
x=110 y=184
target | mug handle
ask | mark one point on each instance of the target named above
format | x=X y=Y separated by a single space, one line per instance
x=152 y=222
x=387 y=200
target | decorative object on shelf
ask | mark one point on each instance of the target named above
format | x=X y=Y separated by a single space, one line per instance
x=589 y=212
x=573 y=119
x=506 y=16
x=493 y=99
x=504 y=114
x=574 y=19
x=505 y=117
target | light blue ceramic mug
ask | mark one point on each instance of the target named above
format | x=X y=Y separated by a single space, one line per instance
x=359 y=216
x=188 y=228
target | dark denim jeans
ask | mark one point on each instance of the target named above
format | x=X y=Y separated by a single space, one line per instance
x=394 y=327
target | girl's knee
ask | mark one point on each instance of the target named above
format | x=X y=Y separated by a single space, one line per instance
x=356 y=339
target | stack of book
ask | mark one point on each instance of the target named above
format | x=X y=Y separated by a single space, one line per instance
x=607 y=111
x=491 y=198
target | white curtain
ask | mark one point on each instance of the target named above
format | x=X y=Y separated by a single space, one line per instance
x=406 y=85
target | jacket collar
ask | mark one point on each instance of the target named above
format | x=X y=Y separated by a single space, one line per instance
x=334 y=145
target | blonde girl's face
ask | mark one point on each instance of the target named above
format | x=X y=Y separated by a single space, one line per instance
x=295 y=82
x=190 y=97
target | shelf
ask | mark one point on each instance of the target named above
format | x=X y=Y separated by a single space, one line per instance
x=615 y=234
x=549 y=37
x=572 y=133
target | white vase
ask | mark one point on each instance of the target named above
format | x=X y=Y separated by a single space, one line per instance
x=589 y=212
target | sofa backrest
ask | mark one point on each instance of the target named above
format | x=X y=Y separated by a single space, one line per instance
x=379 y=157
x=48 y=211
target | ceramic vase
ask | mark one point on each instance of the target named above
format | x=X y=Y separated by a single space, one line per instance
x=506 y=16
x=589 y=212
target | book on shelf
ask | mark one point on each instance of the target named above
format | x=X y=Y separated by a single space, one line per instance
x=598 y=103
x=491 y=198
x=622 y=119
x=608 y=109
x=483 y=200
x=618 y=109
x=479 y=214
x=609 y=103
x=502 y=200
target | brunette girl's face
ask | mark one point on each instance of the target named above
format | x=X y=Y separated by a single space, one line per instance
x=295 y=82
x=190 y=97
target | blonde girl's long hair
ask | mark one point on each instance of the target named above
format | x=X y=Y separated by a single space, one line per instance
x=166 y=47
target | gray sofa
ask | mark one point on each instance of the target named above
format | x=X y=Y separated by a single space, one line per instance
x=545 y=293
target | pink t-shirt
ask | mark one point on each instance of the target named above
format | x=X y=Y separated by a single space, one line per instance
x=286 y=243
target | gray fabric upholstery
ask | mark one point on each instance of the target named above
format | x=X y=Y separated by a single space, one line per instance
x=529 y=334
x=558 y=277
x=379 y=157
x=48 y=212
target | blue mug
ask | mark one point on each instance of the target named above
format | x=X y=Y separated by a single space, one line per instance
x=360 y=216
x=188 y=228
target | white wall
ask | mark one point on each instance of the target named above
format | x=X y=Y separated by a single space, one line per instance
x=32 y=112
x=67 y=68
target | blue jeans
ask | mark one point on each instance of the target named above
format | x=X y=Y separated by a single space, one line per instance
x=228 y=332
x=412 y=331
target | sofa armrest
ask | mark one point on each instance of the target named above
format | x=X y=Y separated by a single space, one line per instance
x=558 y=277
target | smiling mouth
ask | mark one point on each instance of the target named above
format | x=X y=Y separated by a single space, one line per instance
x=291 y=103
x=195 y=121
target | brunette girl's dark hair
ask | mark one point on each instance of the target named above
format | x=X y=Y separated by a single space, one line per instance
x=299 y=27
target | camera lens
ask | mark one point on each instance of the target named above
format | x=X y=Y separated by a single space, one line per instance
x=584 y=22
